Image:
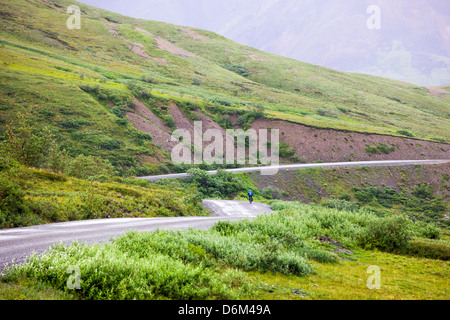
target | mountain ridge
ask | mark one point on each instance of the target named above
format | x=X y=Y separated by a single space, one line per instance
x=412 y=44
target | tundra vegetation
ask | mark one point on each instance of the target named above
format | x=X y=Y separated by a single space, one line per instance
x=69 y=152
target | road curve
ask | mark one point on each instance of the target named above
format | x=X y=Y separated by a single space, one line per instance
x=305 y=166
x=17 y=244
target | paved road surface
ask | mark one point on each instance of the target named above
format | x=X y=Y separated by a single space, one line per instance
x=304 y=166
x=17 y=244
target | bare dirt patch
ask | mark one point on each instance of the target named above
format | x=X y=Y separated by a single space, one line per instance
x=145 y=120
x=194 y=34
x=328 y=145
x=438 y=91
x=256 y=58
x=136 y=47
x=167 y=46
x=310 y=144
x=160 y=137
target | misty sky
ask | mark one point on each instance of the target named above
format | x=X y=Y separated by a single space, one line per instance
x=412 y=42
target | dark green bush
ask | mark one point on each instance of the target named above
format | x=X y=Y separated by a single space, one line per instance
x=286 y=152
x=118 y=112
x=169 y=121
x=12 y=204
x=346 y=197
x=342 y=205
x=426 y=249
x=364 y=196
x=405 y=133
x=423 y=191
x=196 y=82
x=387 y=234
x=382 y=148
x=110 y=144
x=223 y=185
x=272 y=193
x=236 y=68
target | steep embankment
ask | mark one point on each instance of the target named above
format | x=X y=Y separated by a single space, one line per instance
x=308 y=144
x=313 y=185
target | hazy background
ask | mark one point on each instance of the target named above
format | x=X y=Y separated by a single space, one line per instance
x=412 y=45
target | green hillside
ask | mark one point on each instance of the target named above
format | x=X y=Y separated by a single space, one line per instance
x=70 y=148
x=79 y=82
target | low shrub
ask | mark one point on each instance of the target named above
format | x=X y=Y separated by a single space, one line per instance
x=12 y=204
x=380 y=149
x=387 y=234
x=405 y=133
x=427 y=249
x=272 y=193
x=90 y=168
x=223 y=184
x=342 y=205
x=108 y=274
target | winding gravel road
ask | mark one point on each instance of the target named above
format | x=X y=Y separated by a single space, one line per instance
x=17 y=244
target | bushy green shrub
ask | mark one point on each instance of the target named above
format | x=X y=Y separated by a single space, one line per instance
x=108 y=274
x=380 y=149
x=286 y=152
x=405 y=133
x=110 y=144
x=364 y=196
x=426 y=230
x=223 y=184
x=169 y=121
x=423 y=191
x=118 y=112
x=342 y=205
x=90 y=167
x=236 y=68
x=25 y=144
x=272 y=193
x=12 y=204
x=388 y=234
x=428 y=249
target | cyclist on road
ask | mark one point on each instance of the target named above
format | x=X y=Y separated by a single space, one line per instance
x=250 y=196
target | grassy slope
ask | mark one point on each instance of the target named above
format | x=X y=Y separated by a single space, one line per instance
x=44 y=64
x=57 y=198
